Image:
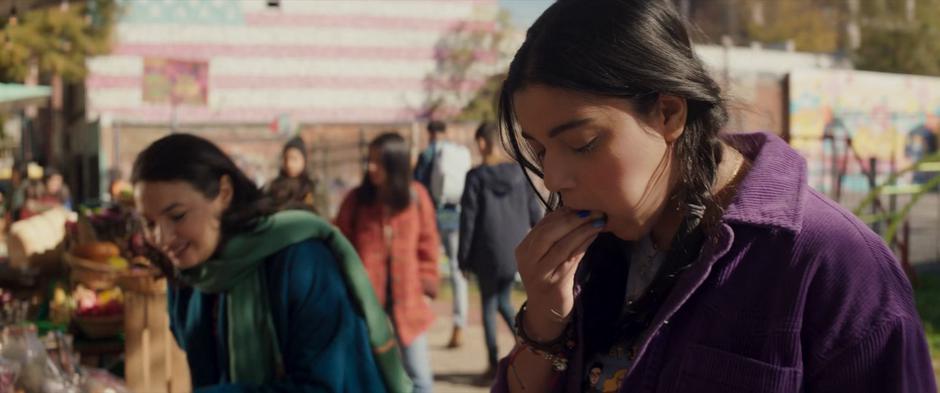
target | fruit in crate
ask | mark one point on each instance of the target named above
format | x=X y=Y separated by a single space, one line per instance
x=141 y=262
x=84 y=298
x=60 y=307
x=99 y=314
x=110 y=295
x=106 y=310
x=118 y=263
x=116 y=224
x=96 y=251
x=59 y=296
x=98 y=304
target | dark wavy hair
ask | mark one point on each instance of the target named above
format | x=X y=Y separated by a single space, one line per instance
x=636 y=50
x=201 y=164
x=396 y=160
x=487 y=131
x=289 y=193
x=631 y=49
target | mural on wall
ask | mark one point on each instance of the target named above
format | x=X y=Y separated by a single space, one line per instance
x=843 y=121
x=169 y=81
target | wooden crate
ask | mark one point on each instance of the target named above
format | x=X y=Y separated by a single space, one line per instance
x=153 y=361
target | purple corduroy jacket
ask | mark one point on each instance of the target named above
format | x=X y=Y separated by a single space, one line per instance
x=791 y=294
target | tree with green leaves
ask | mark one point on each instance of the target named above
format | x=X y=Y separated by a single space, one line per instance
x=482 y=107
x=812 y=26
x=899 y=36
x=57 y=40
x=468 y=57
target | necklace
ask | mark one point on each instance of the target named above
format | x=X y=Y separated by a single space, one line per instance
x=742 y=166
x=624 y=329
x=637 y=314
x=645 y=264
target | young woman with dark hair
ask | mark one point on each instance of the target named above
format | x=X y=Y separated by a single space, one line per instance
x=390 y=220
x=675 y=257
x=293 y=188
x=259 y=301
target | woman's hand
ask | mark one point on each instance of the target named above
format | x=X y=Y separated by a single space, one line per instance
x=547 y=259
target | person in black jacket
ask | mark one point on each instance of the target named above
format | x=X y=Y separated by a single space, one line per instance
x=497 y=209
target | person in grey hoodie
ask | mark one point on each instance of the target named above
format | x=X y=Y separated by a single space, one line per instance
x=498 y=208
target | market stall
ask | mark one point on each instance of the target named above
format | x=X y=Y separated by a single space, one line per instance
x=89 y=292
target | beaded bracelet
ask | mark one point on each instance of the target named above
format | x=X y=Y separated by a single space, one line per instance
x=555 y=351
x=559 y=361
x=552 y=383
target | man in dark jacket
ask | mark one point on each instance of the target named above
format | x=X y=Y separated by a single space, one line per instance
x=497 y=210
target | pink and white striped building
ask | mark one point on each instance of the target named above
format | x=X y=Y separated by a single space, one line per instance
x=333 y=61
x=327 y=68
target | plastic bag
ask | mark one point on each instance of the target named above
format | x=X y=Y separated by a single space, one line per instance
x=21 y=346
x=100 y=381
x=8 y=372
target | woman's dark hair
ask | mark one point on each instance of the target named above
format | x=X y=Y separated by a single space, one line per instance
x=49 y=172
x=64 y=194
x=298 y=144
x=396 y=160
x=633 y=49
x=201 y=164
x=286 y=192
x=488 y=132
x=21 y=169
x=636 y=50
x=437 y=126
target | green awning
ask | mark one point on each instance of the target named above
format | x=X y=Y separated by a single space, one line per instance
x=14 y=96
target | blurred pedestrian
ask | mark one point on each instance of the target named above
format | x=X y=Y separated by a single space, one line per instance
x=497 y=209
x=19 y=183
x=293 y=188
x=442 y=168
x=31 y=192
x=390 y=220
x=56 y=192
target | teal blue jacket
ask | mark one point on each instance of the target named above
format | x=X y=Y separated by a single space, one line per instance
x=323 y=340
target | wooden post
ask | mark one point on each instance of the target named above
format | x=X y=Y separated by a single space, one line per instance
x=153 y=361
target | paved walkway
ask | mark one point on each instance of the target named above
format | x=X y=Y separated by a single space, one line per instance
x=458 y=370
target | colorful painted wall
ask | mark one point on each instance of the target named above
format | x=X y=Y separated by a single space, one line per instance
x=876 y=111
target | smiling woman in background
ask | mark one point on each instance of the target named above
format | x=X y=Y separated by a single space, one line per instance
x=262 y=302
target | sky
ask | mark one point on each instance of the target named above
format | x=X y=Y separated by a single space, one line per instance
x=524 y=12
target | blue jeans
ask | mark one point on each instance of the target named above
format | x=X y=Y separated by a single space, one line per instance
x=418 y=364
x=494 y=296
x=450 y=240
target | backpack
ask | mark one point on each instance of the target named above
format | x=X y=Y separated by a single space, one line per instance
x=449 y=167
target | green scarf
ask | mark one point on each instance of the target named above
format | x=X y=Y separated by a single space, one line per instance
x=254 y=353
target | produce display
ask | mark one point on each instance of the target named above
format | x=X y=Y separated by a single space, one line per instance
x=89 y=303
x=30 y=364
x=105 y=257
